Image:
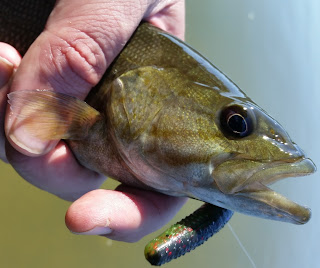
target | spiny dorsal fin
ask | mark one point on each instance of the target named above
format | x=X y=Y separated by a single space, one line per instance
x=51 y=115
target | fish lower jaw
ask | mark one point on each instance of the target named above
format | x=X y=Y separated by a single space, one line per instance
x=257 y=200
x=268 y=204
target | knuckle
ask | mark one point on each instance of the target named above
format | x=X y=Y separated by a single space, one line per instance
x=74 y=61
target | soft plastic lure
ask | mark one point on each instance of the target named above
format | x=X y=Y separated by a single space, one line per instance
x=187 y=234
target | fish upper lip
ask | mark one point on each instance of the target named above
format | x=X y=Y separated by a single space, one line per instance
x=275 y=171
x=261 y=171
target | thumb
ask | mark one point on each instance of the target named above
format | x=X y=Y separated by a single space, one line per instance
x=80 y=40
x=9 y=62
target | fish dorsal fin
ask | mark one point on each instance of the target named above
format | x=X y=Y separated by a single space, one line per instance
x=138 y=96
x=51 y=115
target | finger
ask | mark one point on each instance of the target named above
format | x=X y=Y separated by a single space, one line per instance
x=127 y=214
x=74 y=50
x=9 y=61
x=72 y=53
x=56 y=172
x=10 y=54
x=170 y=17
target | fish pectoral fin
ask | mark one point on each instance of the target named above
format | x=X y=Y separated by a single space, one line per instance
x=51 y=115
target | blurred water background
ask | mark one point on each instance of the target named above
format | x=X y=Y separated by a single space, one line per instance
x=271 y=50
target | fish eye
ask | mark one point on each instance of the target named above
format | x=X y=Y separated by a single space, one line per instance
x=236 y=121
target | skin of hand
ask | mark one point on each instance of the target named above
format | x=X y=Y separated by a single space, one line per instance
x=80 y=40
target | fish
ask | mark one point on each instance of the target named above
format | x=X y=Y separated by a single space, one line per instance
x=174 y=124
x=164 y=118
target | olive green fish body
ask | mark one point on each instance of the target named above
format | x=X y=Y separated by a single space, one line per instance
x=163 y=117
x=167 y=110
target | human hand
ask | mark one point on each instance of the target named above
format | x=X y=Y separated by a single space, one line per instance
x=82 y=39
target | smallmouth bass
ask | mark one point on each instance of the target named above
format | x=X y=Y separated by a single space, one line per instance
x=166 y=119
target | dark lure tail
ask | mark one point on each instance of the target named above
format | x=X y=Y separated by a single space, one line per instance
x=187 y=234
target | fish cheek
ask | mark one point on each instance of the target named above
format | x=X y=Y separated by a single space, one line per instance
x=176 y=150
x=183 y=137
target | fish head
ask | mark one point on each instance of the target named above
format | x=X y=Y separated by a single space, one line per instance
x=213 y=143
x=256 y=151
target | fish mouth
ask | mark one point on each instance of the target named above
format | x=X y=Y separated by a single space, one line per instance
x=252 y=195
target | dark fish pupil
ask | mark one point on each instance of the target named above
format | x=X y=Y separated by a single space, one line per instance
x=237 y=123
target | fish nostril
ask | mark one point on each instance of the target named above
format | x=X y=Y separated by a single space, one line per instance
x=280 y=139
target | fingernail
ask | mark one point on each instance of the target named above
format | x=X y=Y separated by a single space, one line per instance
x=96 y=231
x=19 y=133
x=27 y=144
x=6 y=70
